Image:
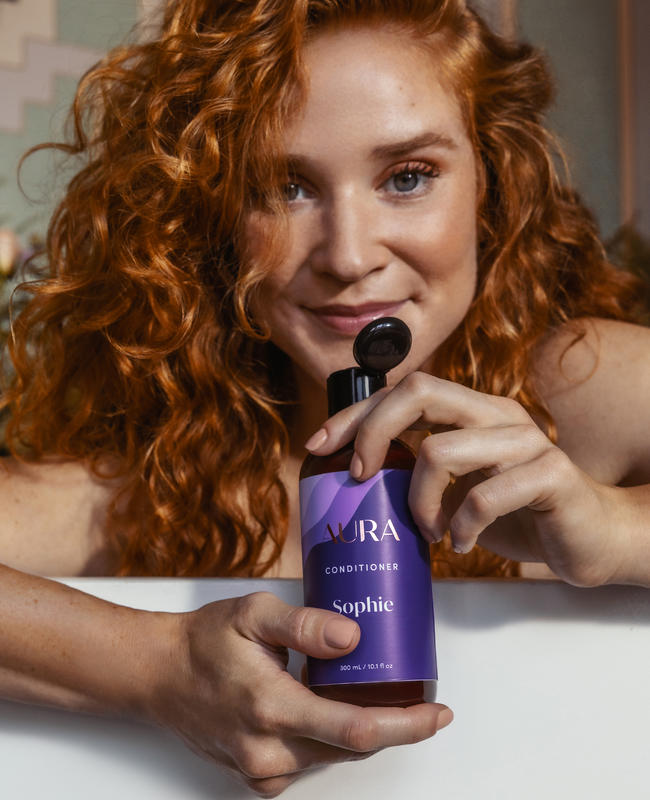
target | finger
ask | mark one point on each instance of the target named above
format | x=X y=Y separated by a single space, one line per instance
x=260 y=758
x=342 y=427
x=366 y=729
x=266 y=757
x=460 y=452
x=264 y=618
x=271 y=787
x=293 y=712
x=537 y=484
x=264 y=786
x=419 y=400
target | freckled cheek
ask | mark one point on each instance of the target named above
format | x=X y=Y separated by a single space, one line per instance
x=458 y=237
x=452 y=230
x=278 y=267
x=441 y=253
x=268 y=303
x=277 y=304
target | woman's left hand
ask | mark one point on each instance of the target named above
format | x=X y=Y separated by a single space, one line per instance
x=504 y=465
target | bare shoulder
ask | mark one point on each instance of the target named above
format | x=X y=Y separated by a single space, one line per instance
x=594 y=375
x=54 y=515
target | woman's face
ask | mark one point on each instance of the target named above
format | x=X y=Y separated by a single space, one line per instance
x=382 y=205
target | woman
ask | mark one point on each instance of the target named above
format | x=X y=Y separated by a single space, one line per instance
x=259 y=182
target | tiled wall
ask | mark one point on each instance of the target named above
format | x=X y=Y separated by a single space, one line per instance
x=45 y=45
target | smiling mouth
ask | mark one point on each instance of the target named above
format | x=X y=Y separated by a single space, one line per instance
x=349 y=320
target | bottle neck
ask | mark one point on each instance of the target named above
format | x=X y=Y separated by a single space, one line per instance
x=348 y=386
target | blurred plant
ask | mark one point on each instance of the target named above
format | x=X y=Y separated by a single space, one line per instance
x=630 y=250
x=13 y=257
x=9 y=252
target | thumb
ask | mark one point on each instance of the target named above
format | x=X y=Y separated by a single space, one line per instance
x=313 y=631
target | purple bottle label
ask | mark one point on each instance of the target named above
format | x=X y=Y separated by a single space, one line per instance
x=364 y=557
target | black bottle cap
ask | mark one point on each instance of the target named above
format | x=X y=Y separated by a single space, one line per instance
x=381 y=345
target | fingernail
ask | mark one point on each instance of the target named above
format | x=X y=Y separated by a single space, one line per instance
x=444 y=719
x=317 y=440
x=462 y=549
x=339 y=633
x=356 y=467
x=436 y=534
x=427 y=534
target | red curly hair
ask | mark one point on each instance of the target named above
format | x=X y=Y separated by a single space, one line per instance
x=137 y=351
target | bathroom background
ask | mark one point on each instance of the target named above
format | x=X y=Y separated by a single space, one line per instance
x=596 y=48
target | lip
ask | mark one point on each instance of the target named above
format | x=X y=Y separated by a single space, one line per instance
x=349 y=320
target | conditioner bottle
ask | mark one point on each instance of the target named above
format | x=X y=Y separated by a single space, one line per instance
x=363 y=556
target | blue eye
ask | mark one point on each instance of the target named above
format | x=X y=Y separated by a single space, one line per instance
x=411 y=179
x=406 y=181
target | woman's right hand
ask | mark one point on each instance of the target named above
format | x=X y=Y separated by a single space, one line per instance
x=235 y=704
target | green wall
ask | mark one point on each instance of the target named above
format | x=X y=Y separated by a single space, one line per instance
x=95 y=23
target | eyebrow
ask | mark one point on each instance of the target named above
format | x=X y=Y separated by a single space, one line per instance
x=428 y=139
x=393 y=149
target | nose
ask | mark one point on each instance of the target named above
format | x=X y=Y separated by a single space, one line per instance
x=350 y=245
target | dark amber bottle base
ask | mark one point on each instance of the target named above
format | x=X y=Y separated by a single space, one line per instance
x=399 y=694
